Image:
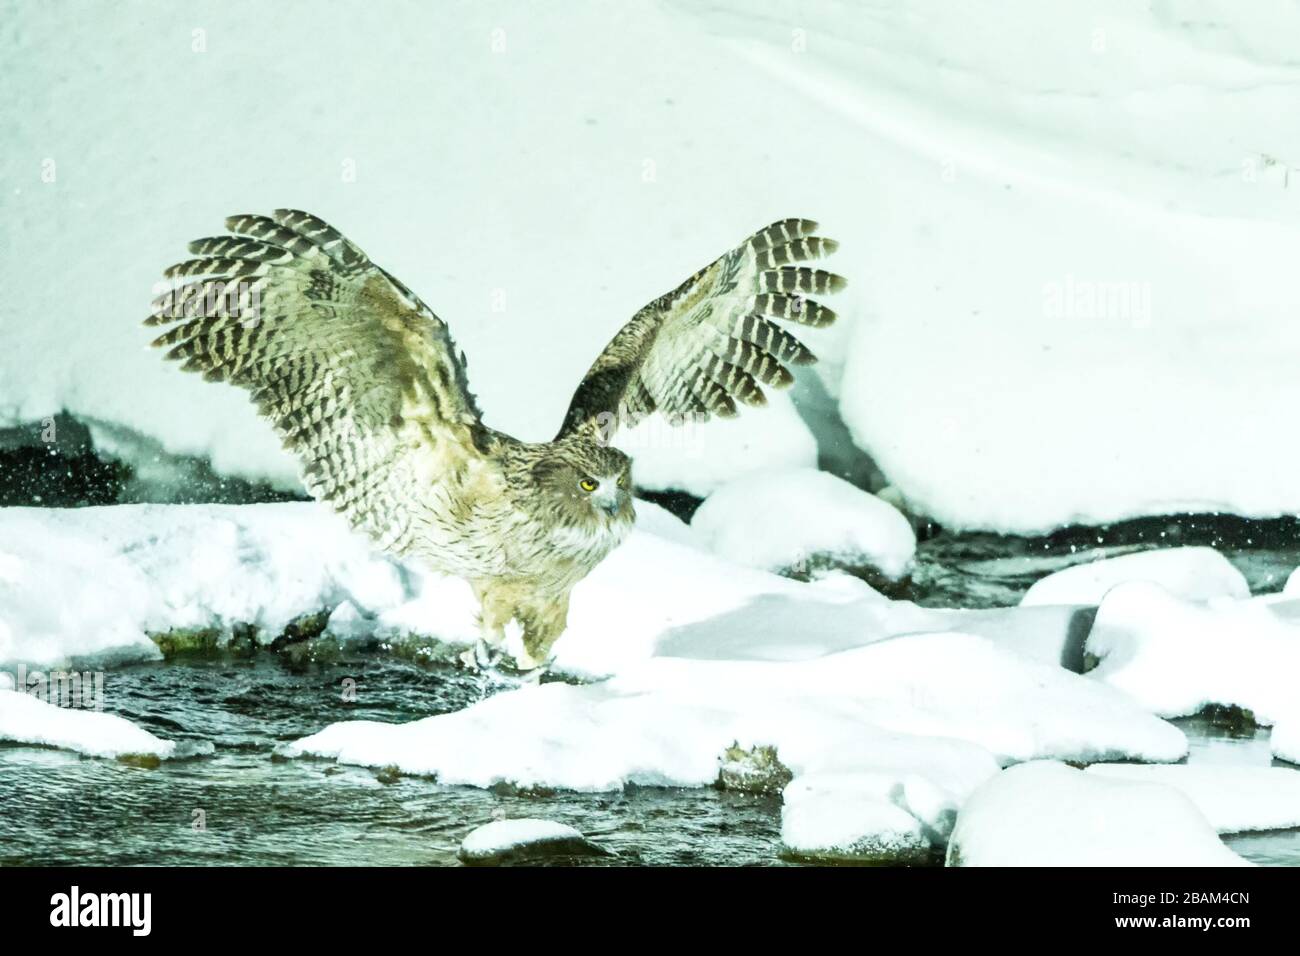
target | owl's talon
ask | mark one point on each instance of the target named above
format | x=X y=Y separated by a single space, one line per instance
x=482 y=656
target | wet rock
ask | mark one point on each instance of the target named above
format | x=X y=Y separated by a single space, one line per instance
x=756 y=770
x=504 y=842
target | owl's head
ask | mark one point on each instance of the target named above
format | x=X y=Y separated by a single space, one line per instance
x=586 y=483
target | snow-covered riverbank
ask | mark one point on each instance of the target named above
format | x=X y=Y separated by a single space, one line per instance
x=879 y=718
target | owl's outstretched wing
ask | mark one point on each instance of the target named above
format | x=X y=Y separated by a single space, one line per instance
x=711 y=341
x=359 y=378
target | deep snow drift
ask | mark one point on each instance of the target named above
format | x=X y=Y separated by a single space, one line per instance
x=1069 y=230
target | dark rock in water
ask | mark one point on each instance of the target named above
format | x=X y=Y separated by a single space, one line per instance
x=753 y=771
x=504 y=842
x=1237 y=721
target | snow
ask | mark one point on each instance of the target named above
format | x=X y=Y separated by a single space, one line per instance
x=91 y=582
x=1067 y=212
x=877 y=709
x=699 y=457
x=27 y=719
x=668 y=720
x=1174 y=656
x=1233 y=799
x=1198 y=574
x=887 y=817
x=97 y=582
x=1285 y=740
x=501 y=838
x=788 y=519
x=1292 y=586
x=1047 y=814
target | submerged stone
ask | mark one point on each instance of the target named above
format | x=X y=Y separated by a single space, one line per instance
x=524 y=840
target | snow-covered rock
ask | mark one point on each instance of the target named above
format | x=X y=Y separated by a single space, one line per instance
x=875 y=817
x=1233 y=799
x=799 y=518
x=509 y=841
x=1198 y=574
x=1175 y=656
x=26 y=719
x=1047 y=814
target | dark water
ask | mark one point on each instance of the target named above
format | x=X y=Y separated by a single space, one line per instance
x=59 y=808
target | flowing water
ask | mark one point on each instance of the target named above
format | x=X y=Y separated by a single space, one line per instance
x=240 y=804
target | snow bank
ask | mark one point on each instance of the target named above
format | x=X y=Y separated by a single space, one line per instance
x=27 y=719
x=972 y=307
x=795 y=519
x=1197 y=574
x=1175 y=657
x=98 y=581
x=1047 y=814
x=94 y=581
x=1068 y=307
x=1233 y=799
x=648 y=206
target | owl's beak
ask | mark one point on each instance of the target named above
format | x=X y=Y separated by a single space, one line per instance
x=607 y=501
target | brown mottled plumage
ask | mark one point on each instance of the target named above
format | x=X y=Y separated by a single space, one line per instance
x=364 y=384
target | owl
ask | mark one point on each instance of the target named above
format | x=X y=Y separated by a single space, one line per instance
x=364 y=385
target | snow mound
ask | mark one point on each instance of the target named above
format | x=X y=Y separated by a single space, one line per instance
x=875 y=817
x=668 y=720
x=1174 y=657
x=27 y=719
x=1197 y=574
x=1233 y=799
x=1047 y=814
x=508 y=840
x=790 y=519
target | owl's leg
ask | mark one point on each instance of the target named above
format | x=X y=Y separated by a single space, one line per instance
x=495 y=611
x=543 y=624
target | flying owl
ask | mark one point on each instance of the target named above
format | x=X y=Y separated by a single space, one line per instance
x=365 y=386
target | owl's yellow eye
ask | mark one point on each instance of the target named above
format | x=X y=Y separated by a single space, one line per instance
x=588 y=485
x=623 y=481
